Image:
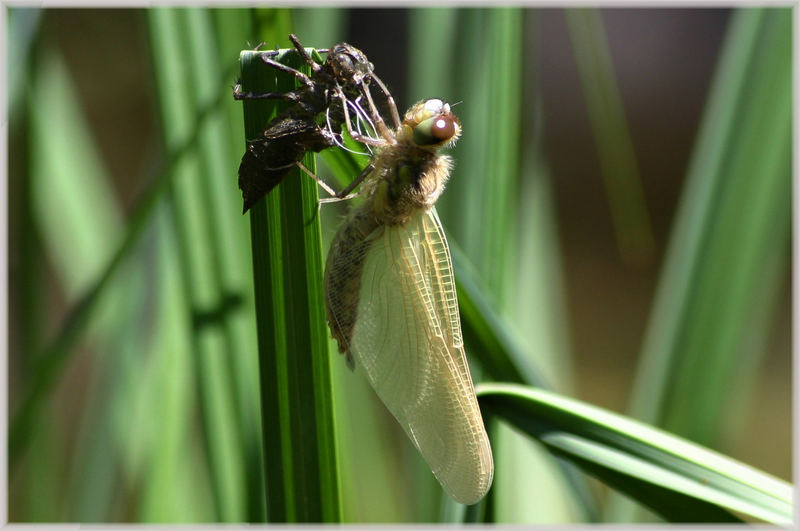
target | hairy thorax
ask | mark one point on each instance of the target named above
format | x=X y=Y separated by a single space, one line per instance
x=404 y=180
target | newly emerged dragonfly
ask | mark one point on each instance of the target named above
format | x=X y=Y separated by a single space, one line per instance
x=391 y=301
x=320 y=106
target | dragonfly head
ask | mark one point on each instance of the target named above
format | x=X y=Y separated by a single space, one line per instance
x=430 y=124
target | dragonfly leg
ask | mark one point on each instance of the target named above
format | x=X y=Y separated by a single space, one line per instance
x=384 y=131
x=389 y=100
x=301 y=77
x=303 y=53
x=345 y=194
x=355 y=134
x=335 y=196
x=325 y=186
x=326 y=200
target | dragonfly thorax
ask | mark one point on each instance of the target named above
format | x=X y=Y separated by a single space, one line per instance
x=406 y=180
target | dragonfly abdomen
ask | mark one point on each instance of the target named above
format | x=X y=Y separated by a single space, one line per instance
x=343 y=276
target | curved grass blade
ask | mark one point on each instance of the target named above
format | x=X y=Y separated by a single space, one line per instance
x=677 y=479
x=722 y=270
x=502 y=356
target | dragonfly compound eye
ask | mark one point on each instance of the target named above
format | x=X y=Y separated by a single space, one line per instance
x=348 y=63
x=436 y=130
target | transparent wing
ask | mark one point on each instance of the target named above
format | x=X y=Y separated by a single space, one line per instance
x=407 y=338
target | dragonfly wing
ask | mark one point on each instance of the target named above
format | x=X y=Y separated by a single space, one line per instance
x=407 y=338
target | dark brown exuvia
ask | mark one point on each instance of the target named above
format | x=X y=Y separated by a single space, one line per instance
x=313 y=122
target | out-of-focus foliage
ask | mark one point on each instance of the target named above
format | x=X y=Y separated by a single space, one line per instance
x=605 y=210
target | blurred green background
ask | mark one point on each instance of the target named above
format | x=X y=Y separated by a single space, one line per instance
x=622 y=188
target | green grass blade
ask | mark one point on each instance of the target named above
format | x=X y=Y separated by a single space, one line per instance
x=25 y=292
x=75 y=212
x=432 y=33
x=485 y=220
x=198 y=245
x=682 y=481
x=174 y=488
x=728 y=249
x=244 y=362
x=23 y=28
x=614 y=145
x=66 y=180
x=729 y=245
x=300 y=451
x=487 y=335
x=74 y=195
x=80 y=220
x=500 y=200
x=538 y=309
x=212 y=71
x=58 y=351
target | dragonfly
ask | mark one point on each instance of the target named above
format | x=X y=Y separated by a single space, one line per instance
x=391 y=301
x=319 y=108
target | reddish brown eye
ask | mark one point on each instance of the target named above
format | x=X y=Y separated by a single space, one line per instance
x=443 y=128
x=436 y=130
